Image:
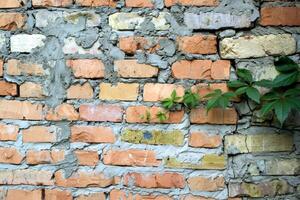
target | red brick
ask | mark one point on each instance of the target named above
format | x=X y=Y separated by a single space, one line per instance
x=164 y=180
x=52 y=3
x=8 y=132
x=39 y=134
x=102 y=113
x=198 y=183
x=132 y=69
x=17 y=68
x=8 y=89
x=11 y=3
x=89 y=158
x=62 y=112
x=138 y=114
x=29 y=89
x=79 y=91
x=201 y=139
x=132 y=157
x=24 y=195
x=10 y=155
x=170 y=3
x=203 y=88
x=87 y=68
x=57 y=195
x=214 y=116
x=12 y=21
x=95 y=3
x=198 y=44
x=280 y=16
x=139 y=3
x=82 y=179
x=220 y=70
x=131 y=44
x=10 y=109
x=158 y=91
x=119 y=91
x=44 y=157
x=93 y=196
x=92 y=134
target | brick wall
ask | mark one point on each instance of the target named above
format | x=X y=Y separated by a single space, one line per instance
x=77 y=78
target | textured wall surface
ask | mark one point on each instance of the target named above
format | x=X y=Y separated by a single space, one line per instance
x=81 y=83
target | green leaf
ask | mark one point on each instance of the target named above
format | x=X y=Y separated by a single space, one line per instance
x=253 y=94
x=236 y=84
x=241 y=90
x=245 y=75
x=218 y=99
x=282 y=110
x=190 y=99
x=270 y=96
x=211 y=103
x=294 y=92
x=267 y=107
x=229 y=94
x=285 y=79
x=285 y=65
x=173 y=94
x=264 y=83
x=214 y=93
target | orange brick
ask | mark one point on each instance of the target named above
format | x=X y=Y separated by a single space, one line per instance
x=121 y=194
x=24 y=194
x=57 y=195
x=214 y=116
x=163 y=180
x=200 y=139
x=199 y=183
x=220 y=70
x=62 y=112
x=158 y=92
x=12 y=21
x=8 y=89
x=132 y=157
x=10 y=109
x=92 y=134
x=170 y=3
x=131 y=44
x=44 y=157
x=94 y=196
x=139 y=114
x=79 y=91
x=196 y=69
x=87 y=68
x=39 y=134
x=52 y=3
x=132 y=69
x=139 y=3
x=203 y=88
x=89 y=158
x=10 y=155
x=198 y=44
x=1 y=68
x=17 y=68
x=192 y=197
x=120 y=91
x=82 y=179
x=12 y=3
x=29 y=89
x=110 y=113
x=95 y=3
x=280 y=16
x=8 y=132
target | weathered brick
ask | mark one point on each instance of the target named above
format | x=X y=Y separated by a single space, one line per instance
x=90 y=158
x=201 y=139
x=82 y=179
x=283 y=166
x=132 y=157
x=280 y=16
x=39 y=134
x=220 y=70
x=198 y=44
x=156 y=137
x=203 y=88
x=72 y=47
x=8 y=89
x=162 y=180
x=30 y=89
x=52 y=3
x=95 y=3
x=131 y=44
x=24 y=194
x=139 y=3
x=12 y=21
x=120 y=91
x=79 y=91
x=10 y=155
x=132 y=69
x=44 y=157
x=170 y=3
x=158 y=92
x=92 y=134
x=12 y=3
x=26 y=177
x=26 y=43
x=79 y=67
x=257 y=46
x=122 y=194
x=62 y=112
x=214 y=116
x=198 y=183
x=111 y=113
x=93 y=196
x=192 y=197
x=144 y=114
x=54 y=194
x=10 y=109
x=8 y=132
x=17 y=68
